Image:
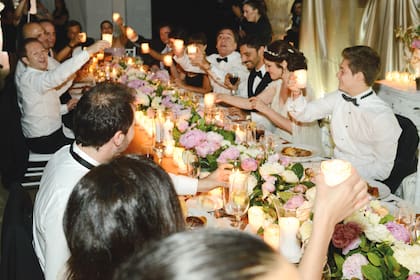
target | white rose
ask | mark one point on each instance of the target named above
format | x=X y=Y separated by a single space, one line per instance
x=305 y=230
x=226 y=143
x=310 y=194
x=271 y=168
x=289 y=176
x=379 y=233
x=156 y=102
x=142 y=98
x=252 y=182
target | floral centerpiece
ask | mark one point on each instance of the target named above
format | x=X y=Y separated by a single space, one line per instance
x=370 y=244
x=410 y=37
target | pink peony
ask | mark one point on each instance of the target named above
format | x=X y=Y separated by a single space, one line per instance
x=284 y=161
x=353 y=245
x=352 y=266
x=294 y=202
x=182 y=125
x=249 y=164
x=344 y=234
x=415 y=44
x=136 y=83
x=268 y=186
x=192 y=138
x=398 y=231
x=231 y=153
x=414 y=277
x=214 y=137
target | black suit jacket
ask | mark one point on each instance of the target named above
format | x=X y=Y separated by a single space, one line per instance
x=261 y=86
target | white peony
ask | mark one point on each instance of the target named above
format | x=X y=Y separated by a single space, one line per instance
x=271 y=168
x=379 y=233
x=156 y=102
x=289 y=176
x=408 y=256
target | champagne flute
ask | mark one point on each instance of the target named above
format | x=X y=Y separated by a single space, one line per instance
x=235 y=198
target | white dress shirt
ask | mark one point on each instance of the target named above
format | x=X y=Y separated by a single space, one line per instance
x=58 y=180
x=365 y=135
x=218 y=70
x=39 y=96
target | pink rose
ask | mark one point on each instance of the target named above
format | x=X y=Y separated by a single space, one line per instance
x=192 y=138
x=294 y=202
x=299 y=188
x=268 y=186
x=231 y=153
x=414 y=277
x=249 y=164
x=398 y=231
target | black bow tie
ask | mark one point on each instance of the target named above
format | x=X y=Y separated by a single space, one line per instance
x=354 y=100
x=225 y=59
x=259 y=74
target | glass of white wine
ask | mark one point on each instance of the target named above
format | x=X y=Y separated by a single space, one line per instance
x=235 y=198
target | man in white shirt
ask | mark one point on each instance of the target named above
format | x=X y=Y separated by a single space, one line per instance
x=217 y=66
x=103 y=128
x=364 y=128
x=39 y=91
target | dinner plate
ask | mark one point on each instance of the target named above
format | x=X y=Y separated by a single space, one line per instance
x=383 y=189
x=314 y=152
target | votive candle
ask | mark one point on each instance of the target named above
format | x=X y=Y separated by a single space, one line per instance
x=145 y=47
x=107 y=37
x=256 y=217
x=301 y=78
x=115 y=16
x=335 y=171
x=272 y=236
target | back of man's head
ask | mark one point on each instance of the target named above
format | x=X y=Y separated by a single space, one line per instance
x=363 y=59
x=101 y=112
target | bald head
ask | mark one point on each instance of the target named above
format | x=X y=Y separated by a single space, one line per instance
x=35 y=30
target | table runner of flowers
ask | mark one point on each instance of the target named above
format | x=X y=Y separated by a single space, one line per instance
x=367 y=245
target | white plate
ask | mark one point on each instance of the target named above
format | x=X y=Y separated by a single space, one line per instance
x=383 y=189
x=313 y=150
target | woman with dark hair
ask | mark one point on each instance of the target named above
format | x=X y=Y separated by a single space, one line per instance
x=114 y=210
x=281 y=60
x=255 y=20
x=292 y=34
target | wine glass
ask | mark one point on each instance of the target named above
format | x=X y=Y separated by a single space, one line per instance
x=405 y=215
x=235 y=198
x=233 y=79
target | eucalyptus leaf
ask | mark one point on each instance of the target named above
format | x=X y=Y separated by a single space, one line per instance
x=374 y=259
x=371 y=272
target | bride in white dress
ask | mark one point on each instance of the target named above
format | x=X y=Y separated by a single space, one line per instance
x=281 y=60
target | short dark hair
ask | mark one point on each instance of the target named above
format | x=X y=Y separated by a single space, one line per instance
x=207 y=254
x=363 y=59
x=116 y=209
x=72 y=23
x=197 y=38
x=235 y=33
x=101 y=112
x=252 y=41
x=22 y=52
x=106 y=21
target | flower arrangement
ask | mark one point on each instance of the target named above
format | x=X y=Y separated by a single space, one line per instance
x=410 y=37
x=370 y=244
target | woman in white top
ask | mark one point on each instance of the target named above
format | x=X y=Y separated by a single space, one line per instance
x=281 y=60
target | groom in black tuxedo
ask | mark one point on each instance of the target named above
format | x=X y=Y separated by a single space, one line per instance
x=252 y=56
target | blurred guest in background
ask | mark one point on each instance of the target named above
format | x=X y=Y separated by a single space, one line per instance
x=255 y=21
x=292 y=34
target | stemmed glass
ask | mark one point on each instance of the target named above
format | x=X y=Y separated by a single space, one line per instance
x=405 y=215
x=235 y=198
x=233 y=79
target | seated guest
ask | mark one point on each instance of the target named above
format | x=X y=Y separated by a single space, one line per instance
x=281 y=59
x=226 y=62
x=226 y=254
x=103 y=128
x=39 y=93
x=195 y=82
x=364 y=128
x=115 y=209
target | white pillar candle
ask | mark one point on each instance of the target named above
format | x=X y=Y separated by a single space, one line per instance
x=209 y=100
x=335 y=171
x=107 y=37
x=289 y=244
x=82 y=37
x=272 y=236
x=115 y=16
x=167 y=129
x=178 y=45
x=301 y=78
x=167 y=60
x=145 y=47
x=256 y=217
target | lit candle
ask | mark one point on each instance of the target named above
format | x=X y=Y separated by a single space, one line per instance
x=82 y=37
x=395 y=76
x=388 y=76
x=145 y=48
x=94 y=60
x=178 y=159
x=167 y=60
x=159 y=127
x=335 y=171
x=139 y=117
x=167 y=129
x=130 y=61
x=240 y=135
x=130 y=33
x=191 y=49
x=272 y=236
x=100 y=55
x=169 y=147
x=256 y=217
x=114 y=74
x=107 y=37
x=115 y=16
x=178 y=45
x=209 y=100
x=289 y=244
x=301 y=78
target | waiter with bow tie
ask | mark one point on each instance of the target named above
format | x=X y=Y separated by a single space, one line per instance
x=364 y=128
x=217 y=66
